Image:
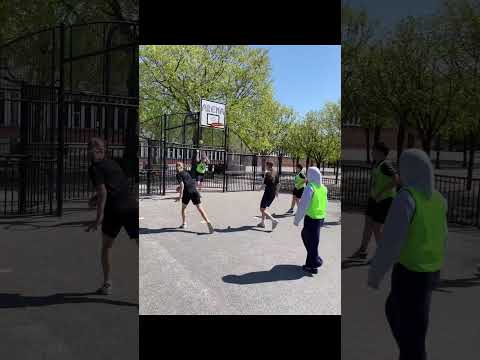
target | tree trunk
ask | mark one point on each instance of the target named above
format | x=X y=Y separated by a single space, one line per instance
x=376 y=134
x=464 y=165
x=367 y=142
x=427 y=144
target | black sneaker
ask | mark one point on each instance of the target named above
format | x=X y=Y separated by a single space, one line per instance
x=310 y=269
x=106 y=289
x=359 y=254
x=290 y=211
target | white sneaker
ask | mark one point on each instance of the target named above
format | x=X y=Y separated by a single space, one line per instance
x=274 y=224
x=183 y=226
x=261 y=225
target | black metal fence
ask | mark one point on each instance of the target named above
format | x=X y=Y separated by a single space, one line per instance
x=21 y=177
x=58 y=88
x=227 y=171
x=463 y=201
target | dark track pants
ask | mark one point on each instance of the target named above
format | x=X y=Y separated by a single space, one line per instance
x=311 y=238
x=408 y=309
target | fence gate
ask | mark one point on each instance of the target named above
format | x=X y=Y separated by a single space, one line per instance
x=58 y=88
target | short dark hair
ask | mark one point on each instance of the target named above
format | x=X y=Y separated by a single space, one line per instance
x=380 y=146
x=300 y=166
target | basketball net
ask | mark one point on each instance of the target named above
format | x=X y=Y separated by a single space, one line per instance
x=216 y=125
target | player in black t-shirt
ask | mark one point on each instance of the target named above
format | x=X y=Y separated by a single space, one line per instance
x=188 y=191
x=384 y=182
x=271 y=183
x=116 y=208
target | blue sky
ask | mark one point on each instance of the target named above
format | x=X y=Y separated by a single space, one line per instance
x=388 y=13
x=305 y=77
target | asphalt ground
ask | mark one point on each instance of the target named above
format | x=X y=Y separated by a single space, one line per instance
x=239 y=269
x=49 y=271
x=454 y=331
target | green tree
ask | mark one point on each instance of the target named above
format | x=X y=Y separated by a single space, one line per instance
x=461 y=19
x=321 y=134
x=173 y=79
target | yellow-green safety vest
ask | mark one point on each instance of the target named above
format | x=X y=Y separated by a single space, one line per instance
x=425 y=246
x=318 y=203
x=201 y=168
x=299 y=182
x=379 y=181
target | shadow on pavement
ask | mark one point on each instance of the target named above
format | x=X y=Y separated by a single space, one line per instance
x=165 y=230
x=277 y=273
x=458 y=283
x=13 y=226
x=325 y=224
x=331 y=223
x=17 y=300
x=283 y=216
x=348 y=263
x=167 y=198
x=241 y=228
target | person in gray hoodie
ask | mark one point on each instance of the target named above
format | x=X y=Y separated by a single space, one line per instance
x=312 y=208
x=413 y=243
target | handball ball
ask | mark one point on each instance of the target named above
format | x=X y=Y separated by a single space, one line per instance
x=201 y=142
x=178 y=188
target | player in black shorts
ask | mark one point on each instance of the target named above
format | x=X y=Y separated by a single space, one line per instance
x=384 y=182
x=298 y=186
x=199 y=168
x=188 y=191
x=116 y=208
x=271 y=183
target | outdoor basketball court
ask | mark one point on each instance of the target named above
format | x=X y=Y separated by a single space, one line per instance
x=49 y=269
x=240 y=269
x=365 y=330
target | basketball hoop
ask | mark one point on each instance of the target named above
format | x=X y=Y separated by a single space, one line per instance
x=212 y=114
x=216 y=125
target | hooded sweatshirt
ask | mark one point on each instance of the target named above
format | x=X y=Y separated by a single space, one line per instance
x=416 y=171
x=314 y=176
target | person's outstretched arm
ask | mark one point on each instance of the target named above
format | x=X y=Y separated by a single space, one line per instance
x=303 y=205
x=395 y=233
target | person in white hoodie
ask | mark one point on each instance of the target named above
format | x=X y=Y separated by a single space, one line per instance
x=312 y=208
x=414 y=243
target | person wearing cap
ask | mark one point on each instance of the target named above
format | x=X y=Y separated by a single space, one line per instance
x=384 y=182
x=312 y=208
x=414 y=244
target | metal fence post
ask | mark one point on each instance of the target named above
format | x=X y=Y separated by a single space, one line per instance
x=149 y=167
x=336 y=173
x=280 y=157
x=164 y=153
x=254 y=158
x=478 y=205
x=61 y=123
x=225 y=161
